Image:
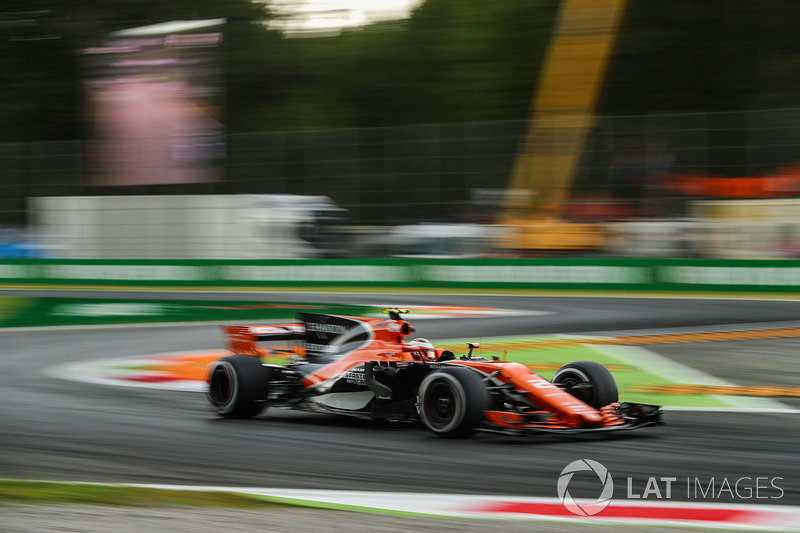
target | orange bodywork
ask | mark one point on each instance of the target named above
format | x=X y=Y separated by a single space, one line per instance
x=568 y=410
x=244 y=339
x=387 y=345
x=550 y=405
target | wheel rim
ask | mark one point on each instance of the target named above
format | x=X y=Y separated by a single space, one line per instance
x=440 y=404
x=572 y=378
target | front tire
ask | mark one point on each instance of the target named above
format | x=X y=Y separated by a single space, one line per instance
x=589 y=381
x=236 y=386
x=451 y=401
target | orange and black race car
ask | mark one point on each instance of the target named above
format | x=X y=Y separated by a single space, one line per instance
x=364 y=367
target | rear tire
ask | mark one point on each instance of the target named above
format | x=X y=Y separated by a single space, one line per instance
x=451 y=401
x=603 y=390
x=236 y=383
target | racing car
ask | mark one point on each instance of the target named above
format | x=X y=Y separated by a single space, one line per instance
x=364 y=367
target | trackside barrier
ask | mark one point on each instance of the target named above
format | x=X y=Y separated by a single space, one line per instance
x=575 y=273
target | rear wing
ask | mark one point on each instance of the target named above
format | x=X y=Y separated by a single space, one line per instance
x=244 y=339
x=319 y=335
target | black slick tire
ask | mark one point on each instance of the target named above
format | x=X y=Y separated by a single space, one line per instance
x=603 y=386
x=451 y=401
x=237 y=385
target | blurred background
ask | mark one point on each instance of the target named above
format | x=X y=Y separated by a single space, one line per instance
x=413 y=128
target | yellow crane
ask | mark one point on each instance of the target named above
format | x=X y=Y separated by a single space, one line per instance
x=562 y=114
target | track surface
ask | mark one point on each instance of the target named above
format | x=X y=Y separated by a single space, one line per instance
x=56 y=429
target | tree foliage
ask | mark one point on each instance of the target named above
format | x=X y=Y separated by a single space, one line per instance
x=452 y=61
x=682 y=55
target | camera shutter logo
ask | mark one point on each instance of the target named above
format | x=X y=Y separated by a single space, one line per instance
x=585 y=509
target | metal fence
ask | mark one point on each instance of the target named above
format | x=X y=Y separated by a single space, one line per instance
x=679 y=157
x=428 y=172
x=381 y=175
x=655 y=166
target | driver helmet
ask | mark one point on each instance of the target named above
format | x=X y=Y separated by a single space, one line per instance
x=427 y=349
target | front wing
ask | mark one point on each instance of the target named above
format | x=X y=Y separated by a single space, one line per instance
x=617 y=417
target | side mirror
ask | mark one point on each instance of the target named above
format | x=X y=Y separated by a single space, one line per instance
x=472 y=346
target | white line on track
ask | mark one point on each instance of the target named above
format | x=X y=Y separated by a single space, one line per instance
x=107 y=372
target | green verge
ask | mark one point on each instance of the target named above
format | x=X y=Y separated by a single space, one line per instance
x=124 y=496
x=30 y=311
x=49 y=492
x=13 y=306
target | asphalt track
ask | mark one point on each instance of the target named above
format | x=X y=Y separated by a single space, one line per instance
x=52 y=428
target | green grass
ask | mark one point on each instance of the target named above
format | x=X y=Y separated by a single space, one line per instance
x=12 y=305
x=627 y=378
x=120 y=496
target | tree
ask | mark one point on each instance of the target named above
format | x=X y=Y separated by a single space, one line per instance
x=680 y=55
